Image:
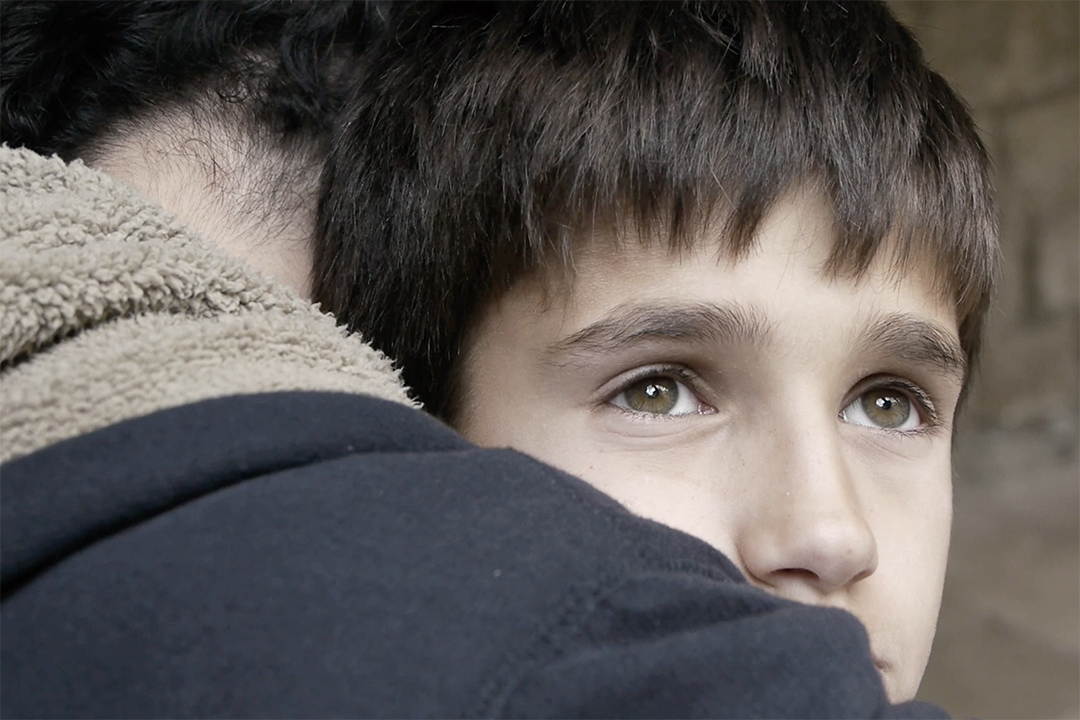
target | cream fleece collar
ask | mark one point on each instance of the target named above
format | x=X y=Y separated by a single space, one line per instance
x=110 y=309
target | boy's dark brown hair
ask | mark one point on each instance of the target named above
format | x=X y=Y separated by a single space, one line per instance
x=489 y=139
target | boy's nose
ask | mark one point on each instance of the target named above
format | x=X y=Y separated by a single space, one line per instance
x=808 y=535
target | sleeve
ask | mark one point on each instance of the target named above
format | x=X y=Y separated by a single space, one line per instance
x=679 y=645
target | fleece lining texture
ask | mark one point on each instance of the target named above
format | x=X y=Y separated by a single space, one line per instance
x=111 y=309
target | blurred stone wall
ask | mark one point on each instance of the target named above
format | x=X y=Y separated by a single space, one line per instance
x=1008 y=641
x=1018 y=66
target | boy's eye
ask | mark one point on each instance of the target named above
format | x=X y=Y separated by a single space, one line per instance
x=883 y=407
x=658 y=395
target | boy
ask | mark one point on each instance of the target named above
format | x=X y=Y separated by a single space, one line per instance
x=207 y=514
x=728 y=263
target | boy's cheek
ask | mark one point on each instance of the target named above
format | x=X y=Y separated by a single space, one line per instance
x=913 y=543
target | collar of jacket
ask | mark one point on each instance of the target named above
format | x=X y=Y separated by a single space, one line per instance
x=111 y=309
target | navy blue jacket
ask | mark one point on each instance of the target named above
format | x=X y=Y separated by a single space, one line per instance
x=317 y=555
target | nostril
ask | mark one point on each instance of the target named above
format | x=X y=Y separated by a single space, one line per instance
x=798 y=574
x=862 y=575
x=823 y=570
x=794 y=583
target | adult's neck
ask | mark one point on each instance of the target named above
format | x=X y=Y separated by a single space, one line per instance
x=251 y=201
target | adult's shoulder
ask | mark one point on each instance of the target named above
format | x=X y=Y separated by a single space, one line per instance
x=316 y=554
x=290 y=553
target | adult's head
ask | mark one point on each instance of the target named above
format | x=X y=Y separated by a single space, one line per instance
x=222 y=112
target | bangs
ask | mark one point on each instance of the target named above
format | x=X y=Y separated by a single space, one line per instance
x=713 y=117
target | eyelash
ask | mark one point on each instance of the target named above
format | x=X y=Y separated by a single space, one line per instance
x=919 y=397
x=924 y=405
x=676 y=372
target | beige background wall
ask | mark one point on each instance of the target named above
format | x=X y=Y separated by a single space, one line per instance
x=1008 y=644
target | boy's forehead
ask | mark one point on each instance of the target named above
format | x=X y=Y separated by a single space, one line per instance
x=803 y=216
x=621 y=289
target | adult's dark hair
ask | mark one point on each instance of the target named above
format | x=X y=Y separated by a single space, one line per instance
x=490 y=138
x=70 y=71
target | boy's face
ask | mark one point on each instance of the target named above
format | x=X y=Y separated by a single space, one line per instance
x=800 y=425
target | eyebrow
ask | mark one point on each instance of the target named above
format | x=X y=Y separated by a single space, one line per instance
x=632 y=323
x=898 y=335
x=912 y=339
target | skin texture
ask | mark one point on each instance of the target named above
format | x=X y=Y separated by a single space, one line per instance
x=747 y=403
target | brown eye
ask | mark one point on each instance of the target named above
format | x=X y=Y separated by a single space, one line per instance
x=658 y=393
x=655 y=395
x=886 y=407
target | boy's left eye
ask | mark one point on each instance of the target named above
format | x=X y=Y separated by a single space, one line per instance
x=658 y=395
x=888 y=408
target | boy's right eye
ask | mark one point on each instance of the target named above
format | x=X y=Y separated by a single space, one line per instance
x=659 y=394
